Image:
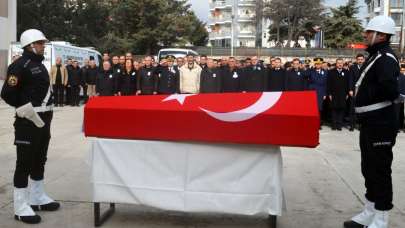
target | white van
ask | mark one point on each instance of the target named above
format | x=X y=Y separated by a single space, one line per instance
x=58 y=49
x=176 y=52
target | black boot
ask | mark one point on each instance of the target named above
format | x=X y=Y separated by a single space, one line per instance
x=352 y=224
x=35 y=219
x=53 y=206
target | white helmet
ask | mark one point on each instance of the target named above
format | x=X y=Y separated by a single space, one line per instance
x=30 y=36
x=383 y=24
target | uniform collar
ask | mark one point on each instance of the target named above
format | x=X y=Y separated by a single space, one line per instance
x=376 y=47
x=32 y=56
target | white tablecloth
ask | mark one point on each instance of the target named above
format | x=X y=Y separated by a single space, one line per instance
x=189 y=177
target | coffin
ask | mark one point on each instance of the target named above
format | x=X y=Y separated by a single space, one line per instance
x=271 y=118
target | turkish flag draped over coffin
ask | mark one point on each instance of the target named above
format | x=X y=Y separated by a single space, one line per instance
x=275 y=118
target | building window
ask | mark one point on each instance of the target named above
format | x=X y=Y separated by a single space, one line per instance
x=397 y=17
x=396 y=4
x=3 y=8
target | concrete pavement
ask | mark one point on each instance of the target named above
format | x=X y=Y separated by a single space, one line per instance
x=323 y=186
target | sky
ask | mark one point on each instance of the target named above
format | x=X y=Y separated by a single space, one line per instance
x=201 y=8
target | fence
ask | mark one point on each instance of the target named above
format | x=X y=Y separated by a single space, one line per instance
x=280 y=52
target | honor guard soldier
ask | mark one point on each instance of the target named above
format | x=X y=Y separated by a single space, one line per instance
x=28 y=89
x=168 y=76
x=376 y=90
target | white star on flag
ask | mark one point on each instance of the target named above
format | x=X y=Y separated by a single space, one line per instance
x=179 y=97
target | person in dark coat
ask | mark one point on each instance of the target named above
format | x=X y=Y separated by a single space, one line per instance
x=296 y=79
x=127 y=80
x=338 y=92
x=354 y=76
x=148 y=78
x=74 y=82
x=116 y=66
x=91 y=78
x=231 y=77
x=254 y=78
x=168 y=77
x=106 y=81
x=83 y=84
x=211 y=79
x=276 y=76
x=317 y=81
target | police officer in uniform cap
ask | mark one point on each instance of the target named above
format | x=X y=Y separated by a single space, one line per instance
x=376 y=90
x=168 y=76
x=317 y=81
x=27 y=88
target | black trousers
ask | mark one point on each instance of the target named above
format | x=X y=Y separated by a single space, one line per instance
x=32 y=149
x=376 y=143
x=75 y=95
x=337 y=117
x=401 y=117
x=85 y=97
x=68 y=95
x=58 y=91
x=351 y=112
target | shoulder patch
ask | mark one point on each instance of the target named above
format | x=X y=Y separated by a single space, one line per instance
x=12 y=80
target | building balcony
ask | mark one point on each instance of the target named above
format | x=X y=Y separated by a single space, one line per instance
x=247 y=3
x=246 y=17
x=220 y=34
x=221 y=19
x=220 y=5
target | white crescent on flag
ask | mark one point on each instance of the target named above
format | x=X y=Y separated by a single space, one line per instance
x=264 y=103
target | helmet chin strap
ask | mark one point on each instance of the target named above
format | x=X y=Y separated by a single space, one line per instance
x=373 y=39
x=33 y=48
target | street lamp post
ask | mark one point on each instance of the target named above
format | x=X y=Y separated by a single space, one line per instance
x=402 y=30
x=232 y=33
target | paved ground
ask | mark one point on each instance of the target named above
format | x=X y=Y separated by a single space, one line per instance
x=323 y=186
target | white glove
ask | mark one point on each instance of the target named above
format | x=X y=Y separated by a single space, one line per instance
x=400 y=99
x=27 y=111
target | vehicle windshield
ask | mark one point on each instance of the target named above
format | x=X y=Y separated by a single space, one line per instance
x=163 y=54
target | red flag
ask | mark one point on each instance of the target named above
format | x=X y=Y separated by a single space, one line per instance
x=276 y=118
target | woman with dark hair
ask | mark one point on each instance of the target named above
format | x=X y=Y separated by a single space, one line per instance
x=127 y=80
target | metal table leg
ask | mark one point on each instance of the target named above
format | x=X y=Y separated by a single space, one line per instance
x=100 y=218
x=272 y=221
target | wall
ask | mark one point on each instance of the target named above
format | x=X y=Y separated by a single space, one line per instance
x=8 y=28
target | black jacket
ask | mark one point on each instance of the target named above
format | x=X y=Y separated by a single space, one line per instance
x=276 y=79
x=296 y=80
x=380 y=84
x=338 y=87
x=147 y=81
x=354 y=76
x=106 y=83
x=231 y=79
x=126 y=83
x=91 y=75
x=168 y=80
x=74 y=76
x=254 y=79
x=27 y=81
x=210 y=80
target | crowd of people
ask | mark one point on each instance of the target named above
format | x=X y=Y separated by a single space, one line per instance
x=126 y=76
